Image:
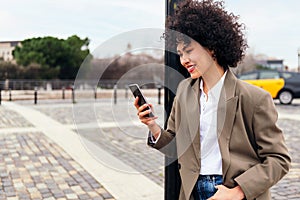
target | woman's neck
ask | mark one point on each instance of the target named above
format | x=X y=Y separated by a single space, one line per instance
x=211 y=77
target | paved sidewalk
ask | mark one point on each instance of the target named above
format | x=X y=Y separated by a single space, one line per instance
x=115 y=184
x=34 y=167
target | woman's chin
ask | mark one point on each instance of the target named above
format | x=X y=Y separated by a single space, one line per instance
x=195 y=75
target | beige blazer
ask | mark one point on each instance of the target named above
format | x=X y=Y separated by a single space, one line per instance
x=254 y=154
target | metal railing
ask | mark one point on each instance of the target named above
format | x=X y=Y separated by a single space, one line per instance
x=35 y=89
x=23 y=84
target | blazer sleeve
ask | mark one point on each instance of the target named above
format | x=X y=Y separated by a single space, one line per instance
x=166 y=142
x=271 y=150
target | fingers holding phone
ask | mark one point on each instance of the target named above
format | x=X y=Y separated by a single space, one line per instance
x=145 y=112
x=135 y=89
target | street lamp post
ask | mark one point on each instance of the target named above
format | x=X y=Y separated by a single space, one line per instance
x=299 y=59
x=173 y=75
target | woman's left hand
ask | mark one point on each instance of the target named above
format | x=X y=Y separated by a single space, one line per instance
x=225 y=193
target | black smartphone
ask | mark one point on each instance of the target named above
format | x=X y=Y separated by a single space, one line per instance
x=135 y=89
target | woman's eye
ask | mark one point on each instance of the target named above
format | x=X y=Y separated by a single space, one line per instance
x=189 y=51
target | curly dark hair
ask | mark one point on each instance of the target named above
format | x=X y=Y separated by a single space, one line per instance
x=210 y=25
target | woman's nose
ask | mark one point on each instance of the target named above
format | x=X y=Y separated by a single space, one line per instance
x=184 y=60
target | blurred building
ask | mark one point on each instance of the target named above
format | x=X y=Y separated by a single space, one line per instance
x=275 y=64
x=6 y=49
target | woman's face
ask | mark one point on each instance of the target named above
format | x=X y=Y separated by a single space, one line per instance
x=195 y=58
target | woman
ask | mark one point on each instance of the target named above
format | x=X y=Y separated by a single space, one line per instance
x=228 y=144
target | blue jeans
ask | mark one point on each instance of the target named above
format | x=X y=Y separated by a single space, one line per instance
x=205 y=186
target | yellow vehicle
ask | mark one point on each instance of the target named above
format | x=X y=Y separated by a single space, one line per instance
x=271 y=85
x=284 y=86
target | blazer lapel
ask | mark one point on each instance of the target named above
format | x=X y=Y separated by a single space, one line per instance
x=226 y=113
x=194 y=116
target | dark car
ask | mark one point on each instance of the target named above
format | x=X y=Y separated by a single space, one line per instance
x=282 y=85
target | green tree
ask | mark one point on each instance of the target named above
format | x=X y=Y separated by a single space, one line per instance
x=57 y=58
x=76 y=51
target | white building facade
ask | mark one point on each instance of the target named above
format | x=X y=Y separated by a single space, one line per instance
x=6 y=49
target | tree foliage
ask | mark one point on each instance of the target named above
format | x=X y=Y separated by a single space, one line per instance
x=10 y=71
x=56 y=58
x=247 y=64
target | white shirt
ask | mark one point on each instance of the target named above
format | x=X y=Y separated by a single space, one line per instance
x=211 y=159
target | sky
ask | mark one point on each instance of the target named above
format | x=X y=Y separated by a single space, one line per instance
x=272 y=26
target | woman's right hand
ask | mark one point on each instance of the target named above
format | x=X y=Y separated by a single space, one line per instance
x=142 y=112
x=149 y=121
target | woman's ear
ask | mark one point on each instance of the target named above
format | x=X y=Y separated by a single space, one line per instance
x=212 y=54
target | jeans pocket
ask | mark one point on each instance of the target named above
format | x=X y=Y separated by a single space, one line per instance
x=209 y=187
x=217 y=180
x=206 y=186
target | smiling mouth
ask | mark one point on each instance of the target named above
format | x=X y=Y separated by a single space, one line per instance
x=191 y=68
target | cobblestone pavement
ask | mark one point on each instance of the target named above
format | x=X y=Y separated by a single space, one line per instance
x=288 y=187
x=128 y=142
x=10 y=119
x=34 y=167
